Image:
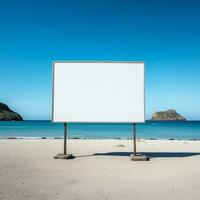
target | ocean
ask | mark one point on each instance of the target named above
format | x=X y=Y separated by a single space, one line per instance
x=149 y=130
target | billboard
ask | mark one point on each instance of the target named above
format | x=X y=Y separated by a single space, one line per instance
x=98 y=92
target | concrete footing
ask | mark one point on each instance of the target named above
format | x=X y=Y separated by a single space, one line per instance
x=138 y=157
x=64 y=156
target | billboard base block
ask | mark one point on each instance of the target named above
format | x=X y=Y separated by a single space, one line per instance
x=138 y=157
x=64 y=156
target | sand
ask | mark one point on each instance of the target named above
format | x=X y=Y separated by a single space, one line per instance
x=28 y=170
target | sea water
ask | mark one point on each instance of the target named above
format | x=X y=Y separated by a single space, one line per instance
x=151 y=129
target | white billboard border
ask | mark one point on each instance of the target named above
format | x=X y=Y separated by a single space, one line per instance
x=129 y=122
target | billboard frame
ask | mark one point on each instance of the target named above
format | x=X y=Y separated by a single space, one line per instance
x=106 y=122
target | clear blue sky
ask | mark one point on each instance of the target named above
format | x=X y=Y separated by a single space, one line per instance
x=165 y=34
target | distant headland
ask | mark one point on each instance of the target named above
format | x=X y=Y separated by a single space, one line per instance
x=169 y=115
x=6 y=114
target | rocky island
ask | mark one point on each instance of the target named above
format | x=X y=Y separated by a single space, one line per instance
x=6 y=114
x=169 y=115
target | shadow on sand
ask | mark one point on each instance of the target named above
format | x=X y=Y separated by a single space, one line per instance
x=151 y=154
x=148 y=154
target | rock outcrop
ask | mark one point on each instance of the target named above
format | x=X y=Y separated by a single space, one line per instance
x=6 y=114
x=169 y=115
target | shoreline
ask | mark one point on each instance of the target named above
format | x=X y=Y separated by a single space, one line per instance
x=149 y=130
x=79 y=138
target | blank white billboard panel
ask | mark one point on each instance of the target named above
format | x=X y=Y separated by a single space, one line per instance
x=98 y=92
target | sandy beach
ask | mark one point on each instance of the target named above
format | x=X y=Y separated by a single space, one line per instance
x=101 y=170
